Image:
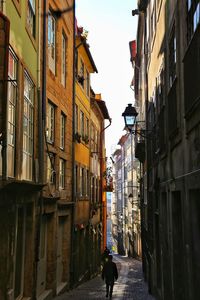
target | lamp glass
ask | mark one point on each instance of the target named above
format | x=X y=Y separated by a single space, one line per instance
x=129 y=121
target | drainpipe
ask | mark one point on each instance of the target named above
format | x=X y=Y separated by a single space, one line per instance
x=101 y=186
x=42 y=109
x=4 y=88
x=72 y=260
x=41 y=126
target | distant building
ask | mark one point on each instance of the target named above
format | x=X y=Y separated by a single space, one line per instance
x=126 y=198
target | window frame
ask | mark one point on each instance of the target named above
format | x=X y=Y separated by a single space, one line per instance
x=62 y=130
x=62 y=163
x=82 y=181
x=28 y=135
x=12 y=107
x=52 y=42
x=51 y=178
x=76 y=119
x=51 y=122
x=81 y=73
x=31 y=17
x=193 y=17
x=63 y=59
x=87 y=83
x=82 y=123
x=172 y=56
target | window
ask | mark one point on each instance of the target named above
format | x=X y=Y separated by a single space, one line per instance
x=28 y=128
x=31 y=17
x=172 y=57
x=193 y=17
x=62 y=174
x=160 y=90
x=76 y=118
x=51 y=41
x=96 y=141
x=81 y=73
x=92 y=189
x=196 y=17
x=50 y=168
x=87 y=183
x=172 y=95
x=82 y=182
x=87 y=83
x=82 y=123
x=12 y=100
x=96 y=191
x=50 y=123
x=161 y=109
x=62 y=131
x=76 y=180
x=63 y=62
x=92 y=138
x=87 y=128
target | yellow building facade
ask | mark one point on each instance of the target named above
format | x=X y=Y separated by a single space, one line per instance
x=89 y=148
x=83 y=68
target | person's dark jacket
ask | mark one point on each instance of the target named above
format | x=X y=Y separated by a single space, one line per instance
x=109 y=272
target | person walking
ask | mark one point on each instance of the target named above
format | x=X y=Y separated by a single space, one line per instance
x=110 y=274
x=105 y=255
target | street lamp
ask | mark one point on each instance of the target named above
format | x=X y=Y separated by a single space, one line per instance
x=130 y=115
x=135 y=127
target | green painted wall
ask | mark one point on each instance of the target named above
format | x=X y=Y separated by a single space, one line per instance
x=19 y=37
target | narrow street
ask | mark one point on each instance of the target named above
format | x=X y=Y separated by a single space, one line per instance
x=130 y=284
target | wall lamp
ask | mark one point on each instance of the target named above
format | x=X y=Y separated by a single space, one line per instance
x=135 y=127
x=135 y=12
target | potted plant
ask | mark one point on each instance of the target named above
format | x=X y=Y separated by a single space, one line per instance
x=77 y=137
x=86 y=139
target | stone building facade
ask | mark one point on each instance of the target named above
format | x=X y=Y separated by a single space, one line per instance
x=167 y=67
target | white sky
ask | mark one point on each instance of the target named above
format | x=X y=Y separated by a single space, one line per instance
x=111 y=26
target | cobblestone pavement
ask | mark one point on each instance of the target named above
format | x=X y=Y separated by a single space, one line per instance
x=129 y=286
